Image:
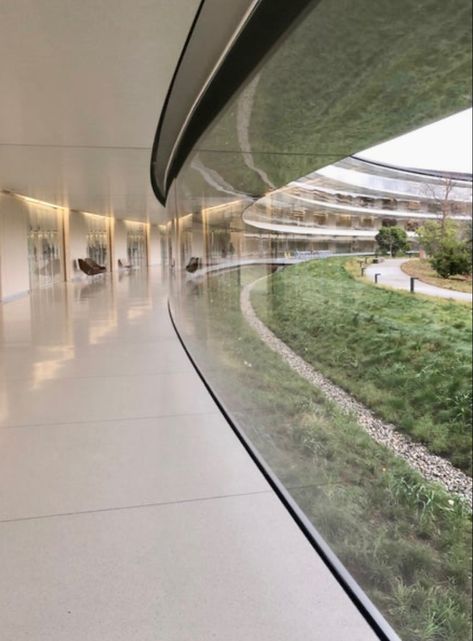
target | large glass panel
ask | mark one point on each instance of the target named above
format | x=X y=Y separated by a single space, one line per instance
x=44 y=246
x=136 y=244
x=355 y=393
x=98 y=238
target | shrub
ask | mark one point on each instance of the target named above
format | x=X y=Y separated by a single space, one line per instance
x=452 y=258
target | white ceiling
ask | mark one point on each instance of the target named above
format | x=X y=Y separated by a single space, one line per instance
x=82 y=84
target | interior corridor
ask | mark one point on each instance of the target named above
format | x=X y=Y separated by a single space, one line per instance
x=129 y=509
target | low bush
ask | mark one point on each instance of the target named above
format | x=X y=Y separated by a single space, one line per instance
x=452 y=258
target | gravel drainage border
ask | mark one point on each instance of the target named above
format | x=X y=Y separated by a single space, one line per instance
x=430 y=466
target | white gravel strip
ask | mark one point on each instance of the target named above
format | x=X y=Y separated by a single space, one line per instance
x=433 y=468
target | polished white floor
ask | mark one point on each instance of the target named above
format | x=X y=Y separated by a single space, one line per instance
x=128 y=508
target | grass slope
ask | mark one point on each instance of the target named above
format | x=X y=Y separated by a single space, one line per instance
x=409 y=359
x=406 y=541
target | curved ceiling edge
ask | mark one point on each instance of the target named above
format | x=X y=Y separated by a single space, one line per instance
x=228 y=39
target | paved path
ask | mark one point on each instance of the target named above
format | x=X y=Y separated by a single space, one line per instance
x=392 y=275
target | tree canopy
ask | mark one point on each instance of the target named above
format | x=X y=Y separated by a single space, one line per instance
x=392 y=240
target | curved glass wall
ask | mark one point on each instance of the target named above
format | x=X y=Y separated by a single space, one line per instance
x=357 y=397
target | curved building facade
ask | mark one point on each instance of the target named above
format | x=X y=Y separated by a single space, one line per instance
x=342 y=207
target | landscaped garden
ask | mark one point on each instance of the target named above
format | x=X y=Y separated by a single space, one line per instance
x=406 y=540
x=422 y=269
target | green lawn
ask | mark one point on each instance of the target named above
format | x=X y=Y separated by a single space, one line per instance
x=406 y=541
x=407 y=358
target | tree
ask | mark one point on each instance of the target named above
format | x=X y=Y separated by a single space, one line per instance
x=440 y=193
x=450 y=197
x=392 y=240
x=434 y=233
x=466 y=233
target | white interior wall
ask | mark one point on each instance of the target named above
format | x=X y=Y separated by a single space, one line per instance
x=77 y=239
x=198 y=241
x=14 y=271
x=66 y=250
x=154 y=245
x=119 y=241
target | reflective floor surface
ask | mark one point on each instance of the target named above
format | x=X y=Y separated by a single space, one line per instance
x=128 y=509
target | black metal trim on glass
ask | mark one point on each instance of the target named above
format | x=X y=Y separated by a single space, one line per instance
x=160 y=195
x=268 y=21
x=351 y=588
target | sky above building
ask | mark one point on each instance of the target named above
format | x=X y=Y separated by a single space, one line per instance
x=445 y=145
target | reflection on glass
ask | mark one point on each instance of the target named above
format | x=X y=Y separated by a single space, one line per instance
x=347 y=389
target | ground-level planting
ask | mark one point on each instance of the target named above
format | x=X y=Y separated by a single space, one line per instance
x=422 y=269
x=406 y=541
x=405 y=357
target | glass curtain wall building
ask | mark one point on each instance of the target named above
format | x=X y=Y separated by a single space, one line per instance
x=342 y=207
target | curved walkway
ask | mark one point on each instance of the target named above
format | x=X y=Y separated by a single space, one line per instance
x=129 y=510
x=391 y=275
x=432 y=467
